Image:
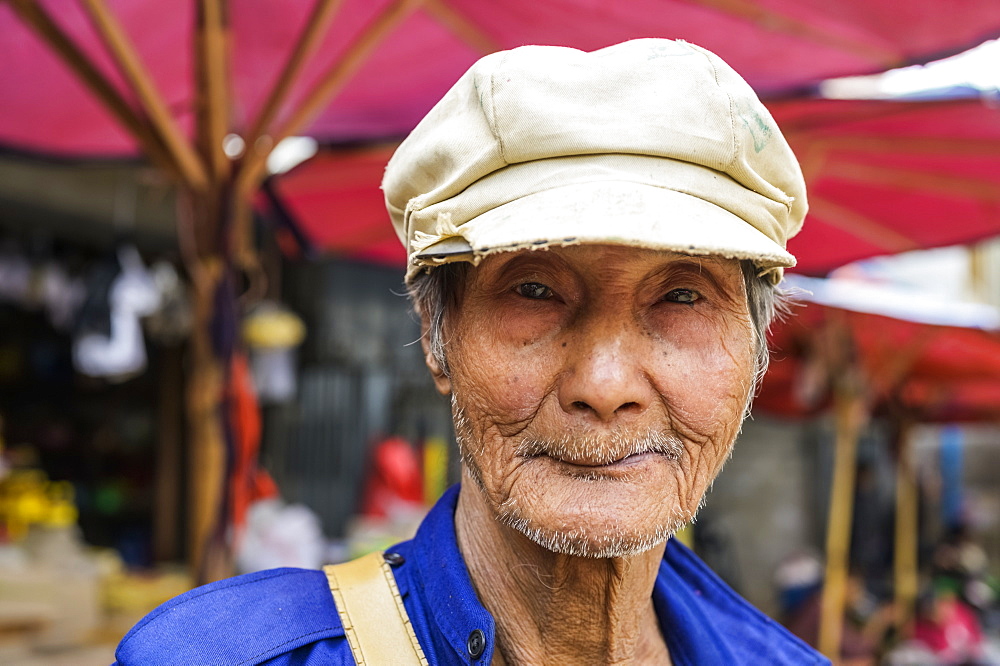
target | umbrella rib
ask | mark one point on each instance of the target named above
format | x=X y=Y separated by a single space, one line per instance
x=315 y=28
x=213 y=83
x=832 y=114
x=860 y=225
x=331 y=83
x=912 y=179
x=127 y=60
x=773 y=21
x=462 y=27
x=37 y=19
x=959 y=147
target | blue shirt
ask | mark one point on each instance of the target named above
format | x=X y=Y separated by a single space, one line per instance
x=287 y=616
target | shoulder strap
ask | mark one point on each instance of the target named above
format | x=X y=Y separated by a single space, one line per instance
x=371 y=610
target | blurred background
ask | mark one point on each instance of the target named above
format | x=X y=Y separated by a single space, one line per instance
x=208 y=366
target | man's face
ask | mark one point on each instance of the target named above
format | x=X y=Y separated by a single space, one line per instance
x=597 y=390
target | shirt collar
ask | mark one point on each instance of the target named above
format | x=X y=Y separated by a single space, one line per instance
x=702 y=620
x=446 y=586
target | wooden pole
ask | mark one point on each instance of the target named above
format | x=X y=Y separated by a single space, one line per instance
x=900 y=178
x=906 y=575
x=213 y=86
x=206 y=220
x=206 y=445
x=127 y=60
x=203 y=228
x=36 y=18
x=849 y=411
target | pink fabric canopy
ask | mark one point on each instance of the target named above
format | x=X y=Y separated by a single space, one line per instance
x=778 y=45
x=335 y=200
x=886 y=177
x=923 y=372
x=883 y=177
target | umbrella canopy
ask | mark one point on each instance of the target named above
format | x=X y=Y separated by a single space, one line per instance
x=335 y=200
x=887 y=177
x=170 y=80
x=927 y=373
x=392 y=59
x=883 y=177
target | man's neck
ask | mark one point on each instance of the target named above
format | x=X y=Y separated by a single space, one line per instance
x=553 y=608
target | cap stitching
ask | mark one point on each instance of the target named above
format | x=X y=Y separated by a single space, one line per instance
x=493 y=109
x=732 y=111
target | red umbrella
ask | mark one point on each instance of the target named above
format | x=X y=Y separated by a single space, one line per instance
x=335 y=200
x=883 y=177
x=171 y=80
x=886 y=177
x=391 y=59
x=927 y=373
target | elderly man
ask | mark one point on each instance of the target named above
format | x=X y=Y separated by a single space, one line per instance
x=593 y=243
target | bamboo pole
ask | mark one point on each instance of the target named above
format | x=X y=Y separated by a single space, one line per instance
x=207 y=450
x=252 y=170
x=905 y=572
x=201 y=228
x=205 y=221
x=127 y=60
x=315 y=28
x=36 y=18
x=849 y=406
x=912 y=145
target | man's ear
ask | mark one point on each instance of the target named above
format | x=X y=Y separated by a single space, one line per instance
x=441 y=380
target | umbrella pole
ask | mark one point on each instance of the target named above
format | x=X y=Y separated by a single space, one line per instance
x=206 y=446
x=849 y=410
x=907 y=530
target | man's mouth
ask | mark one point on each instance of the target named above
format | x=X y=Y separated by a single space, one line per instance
x=595 y=463
x=603 y=451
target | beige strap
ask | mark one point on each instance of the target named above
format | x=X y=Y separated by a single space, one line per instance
x=371 y=610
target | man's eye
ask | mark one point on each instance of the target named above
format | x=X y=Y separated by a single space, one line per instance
x=686 y=296
x=534 y=290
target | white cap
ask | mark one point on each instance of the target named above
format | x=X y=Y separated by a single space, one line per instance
x=650 y=143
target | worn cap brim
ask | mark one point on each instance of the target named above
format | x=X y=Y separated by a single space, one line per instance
x=615 y=212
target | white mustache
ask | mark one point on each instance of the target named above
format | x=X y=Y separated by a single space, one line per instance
x=601 y=449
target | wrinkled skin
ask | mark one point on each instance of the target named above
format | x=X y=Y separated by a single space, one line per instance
x=597 y=392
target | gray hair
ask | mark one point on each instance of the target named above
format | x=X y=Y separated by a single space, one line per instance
x=436 y=292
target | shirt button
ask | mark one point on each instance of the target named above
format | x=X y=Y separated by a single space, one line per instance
x=394 y=559
x=476 y=643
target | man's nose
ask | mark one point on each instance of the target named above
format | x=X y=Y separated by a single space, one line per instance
x=604 y=376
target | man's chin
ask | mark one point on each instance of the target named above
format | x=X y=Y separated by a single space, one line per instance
x=595 y=524
x=595 y=544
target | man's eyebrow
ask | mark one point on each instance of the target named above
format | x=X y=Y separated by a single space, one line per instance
x=702 y=266
x=534 y=260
